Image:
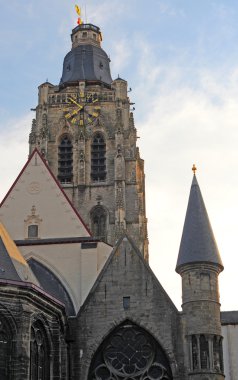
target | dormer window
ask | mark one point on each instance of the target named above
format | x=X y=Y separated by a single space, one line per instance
x=85 y=34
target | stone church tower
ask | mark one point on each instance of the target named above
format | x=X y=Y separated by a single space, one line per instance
x=71 y=306
x=85 y=130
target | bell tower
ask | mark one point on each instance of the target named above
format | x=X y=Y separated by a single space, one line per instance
x=85 y=129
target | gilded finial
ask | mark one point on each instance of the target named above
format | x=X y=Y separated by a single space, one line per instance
x=194 y=169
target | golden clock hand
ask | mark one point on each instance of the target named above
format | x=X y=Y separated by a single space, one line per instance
x=77 y=104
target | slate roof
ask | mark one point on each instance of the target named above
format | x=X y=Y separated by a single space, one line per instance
x=12 y=264
x=86 y=62
x=229 y=317
x=198 y=244
x=126 y=244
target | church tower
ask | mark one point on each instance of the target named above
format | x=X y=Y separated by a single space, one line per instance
x=199 y=264
x=85 y=129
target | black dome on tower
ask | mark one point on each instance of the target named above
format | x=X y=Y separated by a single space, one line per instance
x=87 y=61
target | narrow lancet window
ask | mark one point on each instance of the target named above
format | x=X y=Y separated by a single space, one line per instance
x=98 y=223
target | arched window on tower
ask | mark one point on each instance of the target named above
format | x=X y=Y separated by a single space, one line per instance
x=40 y=353
x=5 y=351
x=65 y=160
x=98 y=158
x=99 y=222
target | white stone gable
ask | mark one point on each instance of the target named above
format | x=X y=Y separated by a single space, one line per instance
x=37 y=199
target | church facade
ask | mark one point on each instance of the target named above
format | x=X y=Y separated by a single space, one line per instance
x=78 y=299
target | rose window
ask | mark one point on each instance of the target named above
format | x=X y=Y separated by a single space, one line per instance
x=130 y=353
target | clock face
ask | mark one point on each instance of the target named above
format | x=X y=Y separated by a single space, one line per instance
x=83 y=114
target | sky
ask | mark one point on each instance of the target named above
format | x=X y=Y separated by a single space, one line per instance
x=180 y=58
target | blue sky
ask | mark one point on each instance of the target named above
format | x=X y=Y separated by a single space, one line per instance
x=181 y=60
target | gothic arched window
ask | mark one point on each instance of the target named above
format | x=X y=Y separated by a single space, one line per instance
x=129 y=353
x=5 y=351
x=98 y=158
x=40 y=353
x=65 y=160
x=99 y=222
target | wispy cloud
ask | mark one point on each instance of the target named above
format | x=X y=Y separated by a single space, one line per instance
x=122 y=54
x=14 y=150
x=185 y=125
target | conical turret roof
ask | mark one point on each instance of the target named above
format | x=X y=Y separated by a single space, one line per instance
x=198 y=243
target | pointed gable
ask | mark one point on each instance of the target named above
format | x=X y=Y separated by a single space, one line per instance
x=12 y=264
x=37 y=199
x=126 y=289
x=198 y=243
x=129 y=269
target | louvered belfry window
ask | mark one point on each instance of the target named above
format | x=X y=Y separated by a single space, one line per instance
x=65 y=160
x=98 y=158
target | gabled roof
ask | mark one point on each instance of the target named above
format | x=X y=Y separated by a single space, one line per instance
x=126 y=247
x=12 y=264
x=198 y=244
x=36 y=190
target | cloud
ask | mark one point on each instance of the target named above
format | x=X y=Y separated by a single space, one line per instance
x=103 y=14
x=14 y=150
x=185 y=124
x=121 y=56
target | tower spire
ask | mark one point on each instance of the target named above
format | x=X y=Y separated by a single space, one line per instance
x=198 y=242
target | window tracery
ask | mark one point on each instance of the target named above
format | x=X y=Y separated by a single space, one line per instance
x=130 y=353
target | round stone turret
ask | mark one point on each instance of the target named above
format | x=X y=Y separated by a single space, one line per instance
x=199 y=264
x=87 y=61
x=86 y=34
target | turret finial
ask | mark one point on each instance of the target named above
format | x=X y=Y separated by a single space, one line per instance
x=194 y=169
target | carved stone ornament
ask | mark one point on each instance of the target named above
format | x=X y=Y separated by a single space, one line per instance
x=34 y=187
x=130 y=353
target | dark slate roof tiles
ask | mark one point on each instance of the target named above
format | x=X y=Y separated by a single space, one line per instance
x=198 y=244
